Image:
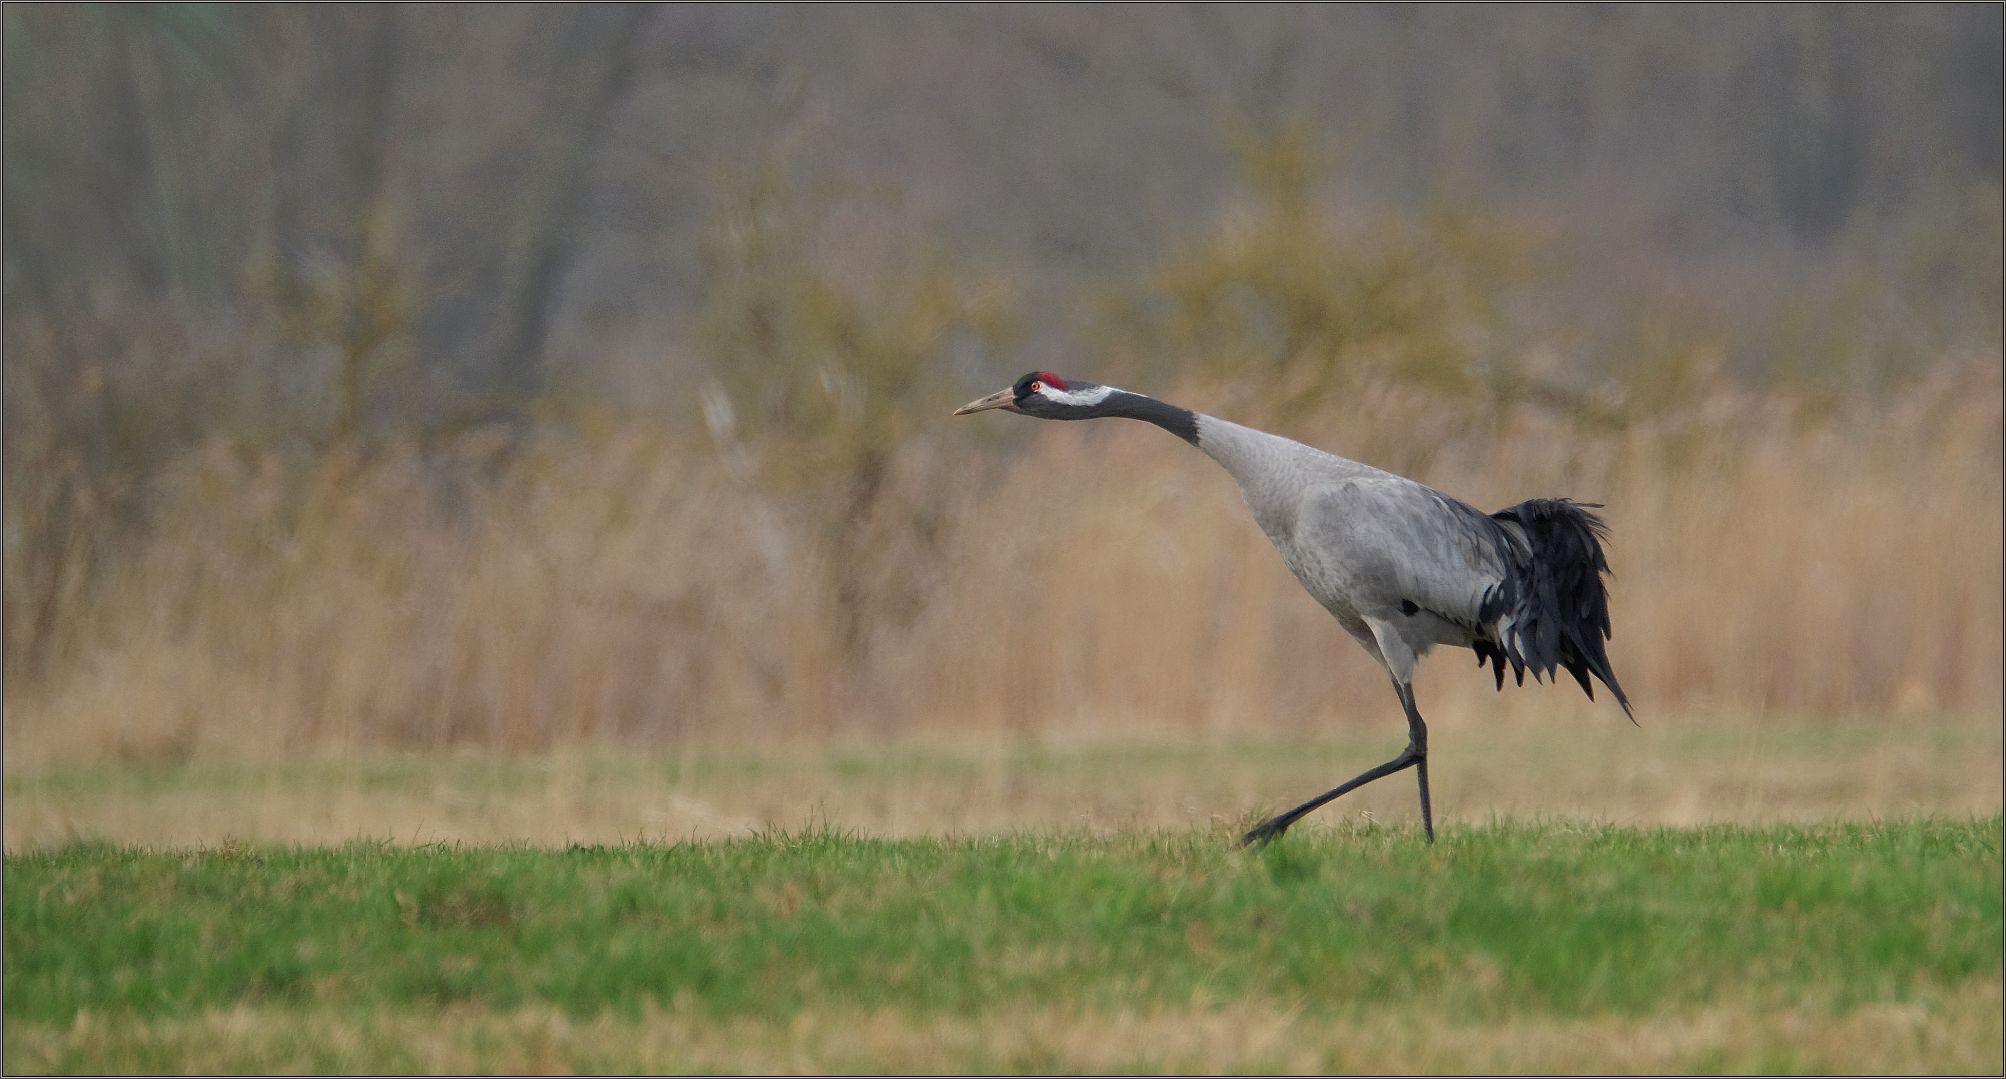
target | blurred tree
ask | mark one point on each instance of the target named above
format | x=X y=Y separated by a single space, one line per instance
x=1285 y=303
x=554 y=218
x=824 y=365
x=309 y=227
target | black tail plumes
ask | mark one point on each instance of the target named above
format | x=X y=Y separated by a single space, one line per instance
x=1558 y=610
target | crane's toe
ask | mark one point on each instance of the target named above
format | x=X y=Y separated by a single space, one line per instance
x=1265 y=832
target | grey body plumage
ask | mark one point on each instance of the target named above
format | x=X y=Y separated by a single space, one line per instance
x=1401 y=566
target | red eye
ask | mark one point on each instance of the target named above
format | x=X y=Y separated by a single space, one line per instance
x=1037 y=387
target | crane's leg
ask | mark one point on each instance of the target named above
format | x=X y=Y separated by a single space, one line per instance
x=1417 y=744
x=1399 y=657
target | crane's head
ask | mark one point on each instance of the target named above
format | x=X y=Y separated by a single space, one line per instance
x=1046 y=396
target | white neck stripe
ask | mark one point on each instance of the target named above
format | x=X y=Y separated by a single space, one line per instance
x=1077 y=398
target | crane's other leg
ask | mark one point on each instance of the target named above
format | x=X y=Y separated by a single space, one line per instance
x=1275 y=826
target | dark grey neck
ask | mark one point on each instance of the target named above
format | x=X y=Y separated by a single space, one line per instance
x=1181 y=422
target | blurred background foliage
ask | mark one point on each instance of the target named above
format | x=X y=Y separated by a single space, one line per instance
x=465 y=374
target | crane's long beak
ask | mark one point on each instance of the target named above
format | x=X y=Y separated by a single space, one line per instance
x=1004 y=399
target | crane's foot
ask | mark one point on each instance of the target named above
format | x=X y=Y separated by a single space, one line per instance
x=1266 y=832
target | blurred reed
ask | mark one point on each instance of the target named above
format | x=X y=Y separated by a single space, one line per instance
x=628 y=582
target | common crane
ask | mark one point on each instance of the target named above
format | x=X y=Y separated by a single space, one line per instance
x=1401 y=566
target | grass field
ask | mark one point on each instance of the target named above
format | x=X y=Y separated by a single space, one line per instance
x=1848 y=947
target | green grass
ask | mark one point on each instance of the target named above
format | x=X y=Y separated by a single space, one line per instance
x=1496 y=927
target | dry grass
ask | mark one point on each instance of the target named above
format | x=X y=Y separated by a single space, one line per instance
x=1693 y=771
x=1955 y=1030
x=1776 y=555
